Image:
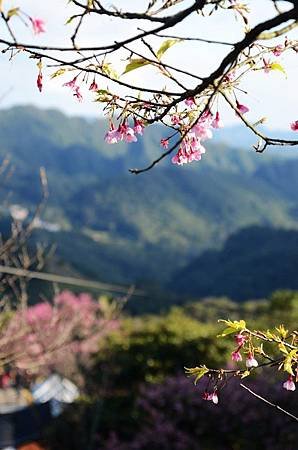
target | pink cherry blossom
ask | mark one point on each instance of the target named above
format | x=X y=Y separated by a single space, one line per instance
x=277 y=51
x=78 y=94
x=190 y=101
x=207 y=117
x=175 y=119
x=251 y=361
x=125 y=133
x=230 y=76
x=39 y=81
x=190 y=150
x=39 y=313
x=210 y=396
x=202 y=130
x=112 y=136
x=289 y=385
x=242 y=108
x=294 y=125
x=205 y=395
x=138 y=127
x=240 y=339
x=236 y=356
x=37 y=25
x=164 y=143
x=93 y=86
x=72 y=84
x=217 y=122
x=214 y=397
x=129 y=135
x=267 y=65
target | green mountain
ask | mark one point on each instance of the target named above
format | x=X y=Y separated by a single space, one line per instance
x=252 y=264
x=118 y=227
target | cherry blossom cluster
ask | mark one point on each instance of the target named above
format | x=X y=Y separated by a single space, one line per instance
x=284 y=357
x=191 y=136
x=212 y=396
x=142 y=105
x=191 y=148
x=75 y=88
x=49 y=334
x=124 y=132
x=236 y=354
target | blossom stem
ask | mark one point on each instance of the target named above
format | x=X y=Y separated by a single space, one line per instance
x=269 y=403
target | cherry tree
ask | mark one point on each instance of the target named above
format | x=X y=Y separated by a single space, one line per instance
x=188 y=103
x=56 y=335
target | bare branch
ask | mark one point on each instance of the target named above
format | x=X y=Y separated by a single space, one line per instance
x=268 y=402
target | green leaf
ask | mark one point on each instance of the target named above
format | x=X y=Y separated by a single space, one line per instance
x=69 y=20
x=197 y=372
x=290 y=361
x=245 y=374
x=58 y=73
x=103 y=96
x=165 y=46
x=108 y=70
x=13 y=12
x=102 y=91
x=226 y=331
x=233 y=327
x=282 y=331
x=135 y=64
x=277 y=66
x=288 y=366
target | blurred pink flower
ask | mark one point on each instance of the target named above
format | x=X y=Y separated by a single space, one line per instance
x=37 y=25
x=277 y=51
x=138 y=127
x=78 y=94
x=211 y=396
x=251 y=361
x=112 y=136
x=175 y=119
x=236 y=356
x=93 y=86
x=289 y=385
x=240 y=339
x=242 y=108
x=71 y=84
x=217 y=122
x=39 y=81
x=40 y=312
x=190 y=101
x=164 y=143
x=267 y=65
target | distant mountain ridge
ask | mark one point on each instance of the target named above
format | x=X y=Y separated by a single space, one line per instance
x=253 y=263
x=124 y=228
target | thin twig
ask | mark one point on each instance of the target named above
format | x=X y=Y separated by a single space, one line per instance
x=269 y=403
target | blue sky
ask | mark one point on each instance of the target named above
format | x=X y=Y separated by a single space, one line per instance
x=271 y=95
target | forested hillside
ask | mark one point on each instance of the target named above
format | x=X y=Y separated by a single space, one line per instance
x=253 y=263
x=141 y=229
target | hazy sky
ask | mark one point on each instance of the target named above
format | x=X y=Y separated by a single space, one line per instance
x=271 y=95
